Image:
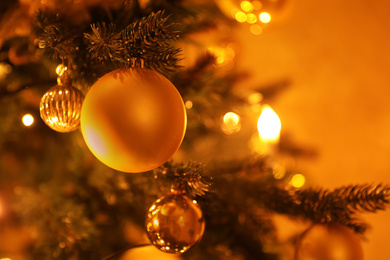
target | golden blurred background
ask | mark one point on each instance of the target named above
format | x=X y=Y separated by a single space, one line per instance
x=336 y=54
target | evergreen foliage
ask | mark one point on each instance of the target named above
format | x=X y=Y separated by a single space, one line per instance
x=79 y=207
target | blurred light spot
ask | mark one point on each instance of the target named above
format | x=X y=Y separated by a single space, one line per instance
x=298 y=180
x=224 y=56
x=256 y=5
x=28 y=119
x=246 y=6
x=279 y=172
x=188 y=104
x=231 y=123
x=240 y=16
x=256 y=29
x=5 y=69
x=251 y=18
x=255 y=98
x=265 y=17
x=269 y=125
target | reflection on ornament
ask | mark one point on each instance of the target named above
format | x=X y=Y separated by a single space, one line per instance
x=328 y=242
x=175 y=223
x=28 y=119
x=61 y=69
x=60 y=108
x=133 y=120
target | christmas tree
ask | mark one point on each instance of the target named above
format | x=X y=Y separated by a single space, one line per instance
x=128 y=130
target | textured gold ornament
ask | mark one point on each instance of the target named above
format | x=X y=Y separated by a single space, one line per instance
x=60 y=108
x=175 y=223
x=328 y=242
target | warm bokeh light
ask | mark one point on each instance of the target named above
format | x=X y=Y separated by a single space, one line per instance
x=5 y=69
x=298 y=180
x=28 y=119
x=251 y=18
x=231 y=123
x=255 y=98
x=265 y=17
x=188 y=104
x=240 y=16
x=256 y=29
x=279 y=172
x=246 y=6
x=224 y=56
x=256 y=5
x=269 y=125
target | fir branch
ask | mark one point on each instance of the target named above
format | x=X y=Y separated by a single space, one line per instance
x=365 y=198
x=187 y=178
x=147 y=39
x=150 y=31
x=104 y=42
x=342 y=204
x=55 y=36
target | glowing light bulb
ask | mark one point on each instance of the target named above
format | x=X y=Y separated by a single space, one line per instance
x=298 y=180
x=269 y=125
x=28 y=119
x=231 y=123
x=265 y=17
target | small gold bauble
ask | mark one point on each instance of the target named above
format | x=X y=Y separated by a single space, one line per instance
x=175 y=223
x=60 y=108
x=328 y=242
x=133 y=120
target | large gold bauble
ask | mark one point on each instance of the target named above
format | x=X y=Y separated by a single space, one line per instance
x=328 y=242
x=175 y=223
x=60 y=108
x=133 y=120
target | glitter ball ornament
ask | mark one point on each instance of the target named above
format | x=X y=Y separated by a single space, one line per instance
x=175 y=223
x=60 y=108
x=328 y=242
x=133 y=119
